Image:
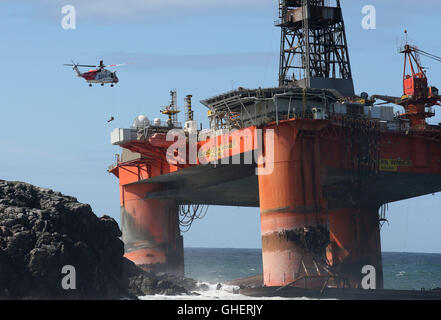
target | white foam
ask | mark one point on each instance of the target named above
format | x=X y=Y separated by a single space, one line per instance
x=226 y=292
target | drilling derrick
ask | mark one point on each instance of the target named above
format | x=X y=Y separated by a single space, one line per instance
x=314 y=51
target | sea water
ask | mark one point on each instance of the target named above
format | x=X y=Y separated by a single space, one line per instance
x=403 y=271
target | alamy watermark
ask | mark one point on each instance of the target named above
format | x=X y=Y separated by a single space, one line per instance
x=69 y=281
x=69 y=19
x=369 y=281
x=241 y=147
x=369 y=21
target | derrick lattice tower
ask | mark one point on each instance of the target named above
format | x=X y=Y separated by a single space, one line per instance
x=314 y=51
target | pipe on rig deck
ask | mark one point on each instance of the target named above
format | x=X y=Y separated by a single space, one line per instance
x=150 y=229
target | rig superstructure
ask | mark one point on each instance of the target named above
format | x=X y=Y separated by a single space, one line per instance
x=326 y=161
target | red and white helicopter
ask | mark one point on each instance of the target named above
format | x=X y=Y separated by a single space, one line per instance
x=98 y=75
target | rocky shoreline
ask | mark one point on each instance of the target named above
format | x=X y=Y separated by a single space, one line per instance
x=42 y=231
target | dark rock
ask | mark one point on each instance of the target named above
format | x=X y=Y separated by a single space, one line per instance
x=42 y=231
x=203 y=287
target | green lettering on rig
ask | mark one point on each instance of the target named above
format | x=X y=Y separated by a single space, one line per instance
x=216 y=153
x=393 y=164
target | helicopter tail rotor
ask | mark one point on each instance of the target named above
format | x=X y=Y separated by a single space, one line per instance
x=75 y=68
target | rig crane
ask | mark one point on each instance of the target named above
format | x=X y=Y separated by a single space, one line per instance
x=418 y=97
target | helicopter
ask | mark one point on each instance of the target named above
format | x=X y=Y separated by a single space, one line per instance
x=98 y=75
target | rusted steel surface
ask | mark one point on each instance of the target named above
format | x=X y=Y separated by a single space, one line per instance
x=150 y=230
x=293 y=223
x=355 y=242
x=298 y=229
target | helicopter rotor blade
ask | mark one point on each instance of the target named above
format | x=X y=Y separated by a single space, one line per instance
x=80 y=65
x=100 y=66
x=71 y=65
x=117 y=65
x=114 y=65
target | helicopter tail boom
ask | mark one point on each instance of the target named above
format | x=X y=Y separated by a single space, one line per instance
x=75 y=68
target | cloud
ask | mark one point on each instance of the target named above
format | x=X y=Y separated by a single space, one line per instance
x=119 y=8
x=157 y=11
x=135 y=11
x=194 y=61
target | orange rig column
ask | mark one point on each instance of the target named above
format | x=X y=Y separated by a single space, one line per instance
x=355 y=242
x=303 y=241
x=150 y=230
x=294 y=225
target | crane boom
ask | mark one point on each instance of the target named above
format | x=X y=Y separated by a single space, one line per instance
x=426 y=54
x=418 y=96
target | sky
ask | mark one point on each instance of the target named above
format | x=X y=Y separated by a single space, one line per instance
x=53 y=127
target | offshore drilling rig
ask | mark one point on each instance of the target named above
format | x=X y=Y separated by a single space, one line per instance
x=327 y=160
